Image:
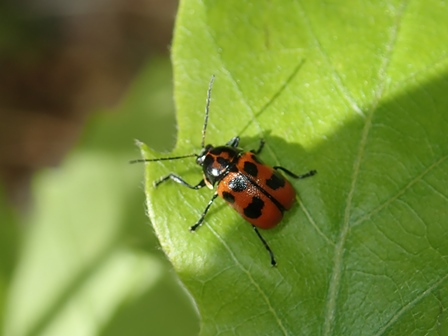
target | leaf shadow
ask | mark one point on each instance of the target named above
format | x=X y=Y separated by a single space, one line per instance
x=402 y=157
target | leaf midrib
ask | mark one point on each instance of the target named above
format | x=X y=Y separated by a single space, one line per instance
x=335 y=281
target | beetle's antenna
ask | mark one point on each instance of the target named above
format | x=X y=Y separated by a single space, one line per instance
x=163 y=159
x=204 y=129
x=207 y=106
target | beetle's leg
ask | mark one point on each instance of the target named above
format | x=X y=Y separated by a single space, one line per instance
x=260 y=147
x=310 y=173
x=179 y=180
x=233 y=142
x=273 y=262
x=201 y=219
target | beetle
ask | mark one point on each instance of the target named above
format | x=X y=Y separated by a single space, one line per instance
x=258 y=192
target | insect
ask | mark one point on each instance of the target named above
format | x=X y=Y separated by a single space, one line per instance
x=258 y=192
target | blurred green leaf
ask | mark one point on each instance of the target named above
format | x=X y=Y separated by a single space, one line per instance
x=89 y=263
x=356 y=90
x=9 y=246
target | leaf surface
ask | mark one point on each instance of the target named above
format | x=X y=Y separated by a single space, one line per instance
x=355 y=90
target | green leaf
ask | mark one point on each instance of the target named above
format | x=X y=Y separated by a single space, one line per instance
x=88 y=263
x=9 y=243
x=356 y=90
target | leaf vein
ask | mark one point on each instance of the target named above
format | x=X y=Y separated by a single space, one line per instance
x=252 y=281
x=313 y=222
x=410 y=305
x=336 y=77
x=400 y=192
x=335 y=281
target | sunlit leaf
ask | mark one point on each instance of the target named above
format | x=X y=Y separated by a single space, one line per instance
x=356 y=90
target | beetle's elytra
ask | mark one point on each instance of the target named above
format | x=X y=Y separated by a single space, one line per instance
x=258 y=192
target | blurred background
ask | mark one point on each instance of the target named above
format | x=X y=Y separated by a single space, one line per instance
x=79 y=81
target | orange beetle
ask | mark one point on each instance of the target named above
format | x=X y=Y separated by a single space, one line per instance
x=258 y=192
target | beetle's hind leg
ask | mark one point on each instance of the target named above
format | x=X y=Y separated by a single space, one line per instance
x=288 y=172
x=271 y=254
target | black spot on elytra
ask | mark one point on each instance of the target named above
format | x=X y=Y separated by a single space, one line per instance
x=275 y=181
x=250 y=168
x=228 y=197
x=253 y=210
x=238 y=184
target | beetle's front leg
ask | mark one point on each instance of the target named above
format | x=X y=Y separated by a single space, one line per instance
x=260 y=147
x=201 y=219
x=181 y=181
